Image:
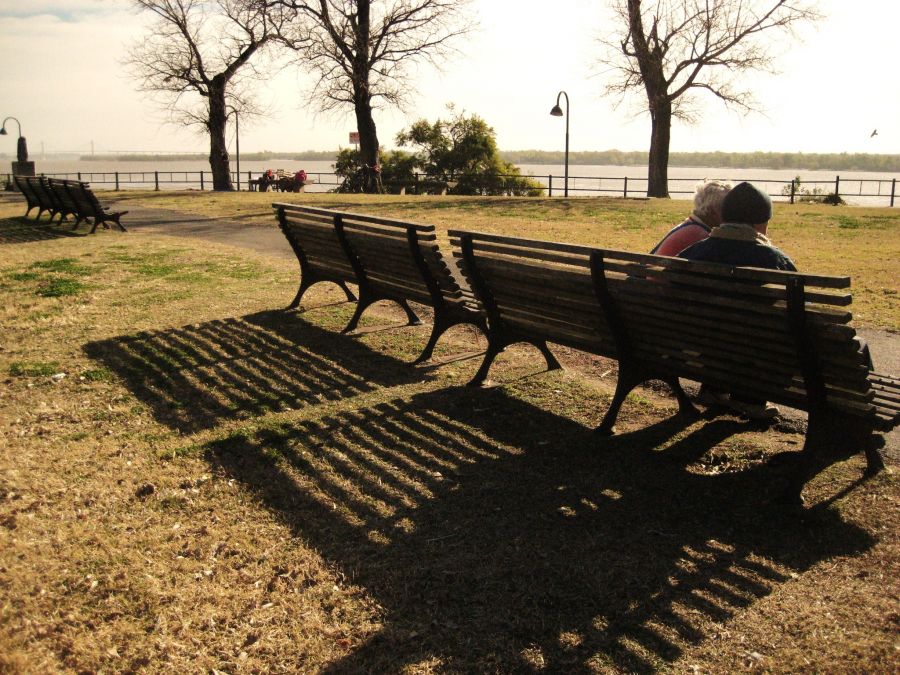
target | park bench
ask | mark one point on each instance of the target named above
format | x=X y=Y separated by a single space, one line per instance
x=387 y=260
x=65 y=198
x=88 y=206
x=65 y=204
x=32 y=199
x=779 y=336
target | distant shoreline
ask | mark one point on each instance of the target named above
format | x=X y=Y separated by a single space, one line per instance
x=727 y=160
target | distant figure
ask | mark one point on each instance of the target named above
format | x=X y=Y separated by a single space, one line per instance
x=706 y=215
x=266 y=180
x=874 y=133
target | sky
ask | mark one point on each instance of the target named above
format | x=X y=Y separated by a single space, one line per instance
x=62 y=78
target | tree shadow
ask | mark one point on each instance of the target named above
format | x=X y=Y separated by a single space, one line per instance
x=498 y=537
x=194 y=376
x=23 y=230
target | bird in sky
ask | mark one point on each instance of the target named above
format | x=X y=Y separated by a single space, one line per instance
x=874 y=133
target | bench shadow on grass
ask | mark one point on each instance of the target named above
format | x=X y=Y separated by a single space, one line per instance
x=23 y=230
x=498 y=537
x=195 y=376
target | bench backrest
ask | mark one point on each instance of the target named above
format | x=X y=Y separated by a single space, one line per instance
x=398 y=259
x=758 y=332
x=42 y=191
x=540 y=289
x=402 y=259
x=755 y=332
x=311 y=234
x=60 y=189
x=84 y=199
x=28 y=191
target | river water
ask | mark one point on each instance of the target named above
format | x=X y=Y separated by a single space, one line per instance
x=856 y=187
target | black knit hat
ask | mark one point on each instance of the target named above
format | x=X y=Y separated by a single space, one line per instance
x=747 y=204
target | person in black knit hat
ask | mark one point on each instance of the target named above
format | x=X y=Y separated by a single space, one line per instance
x=741 y=241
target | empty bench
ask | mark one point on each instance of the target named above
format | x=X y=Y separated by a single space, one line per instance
x=387 y=260
x=779 y=336
x=65 y=198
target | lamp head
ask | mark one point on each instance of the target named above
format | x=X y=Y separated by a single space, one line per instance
x=3 y=131
x=556 y=111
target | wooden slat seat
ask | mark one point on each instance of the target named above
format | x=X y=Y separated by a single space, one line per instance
x=780 y=336
x=387 y=259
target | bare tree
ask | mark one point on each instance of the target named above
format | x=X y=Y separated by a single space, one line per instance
x=193 y=56
x=360 y=52
x=673 y=49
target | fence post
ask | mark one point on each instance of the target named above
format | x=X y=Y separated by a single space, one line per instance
x=117 y=180
x=156 y=180
x=625 y=191
x=201 y=180
x=893 y=190
x=79 y=176
x=550 y=185
x=793 y=189
x=837 y=188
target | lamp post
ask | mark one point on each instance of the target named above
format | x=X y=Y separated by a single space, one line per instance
x=21 y=167
x=556 y=111
x=237 y=145
x=21 y=147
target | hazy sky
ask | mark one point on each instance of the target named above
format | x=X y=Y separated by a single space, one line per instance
x=61 y=76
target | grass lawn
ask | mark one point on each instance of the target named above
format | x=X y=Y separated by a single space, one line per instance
x=193 y=480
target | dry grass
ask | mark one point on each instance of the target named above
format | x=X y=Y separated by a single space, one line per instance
x=217 y=485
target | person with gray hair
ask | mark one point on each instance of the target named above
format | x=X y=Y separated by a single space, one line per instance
x=706 y=215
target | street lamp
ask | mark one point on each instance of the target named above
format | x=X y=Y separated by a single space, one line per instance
x=556 y=111
x=21 y=147
x=237 y=144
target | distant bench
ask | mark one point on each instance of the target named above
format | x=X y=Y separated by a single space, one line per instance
x=66 y=198
x=779 y=336
x=387 y=259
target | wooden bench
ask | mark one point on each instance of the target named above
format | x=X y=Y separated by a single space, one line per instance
x=88 y=206
x=779 y=336
x=387 y=260
x=65 y=198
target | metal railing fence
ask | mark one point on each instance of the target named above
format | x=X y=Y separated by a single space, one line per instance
x=875 y=191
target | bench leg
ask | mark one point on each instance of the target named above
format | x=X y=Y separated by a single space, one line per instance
x=411 y=316
x=365 y=299
x=832 y=437
x=624 y=385
x=305 y=285
x=350 y=296
x=552 y=363
x=442 y=323
x=439 y=328
x=494 y=348
x=686 y=407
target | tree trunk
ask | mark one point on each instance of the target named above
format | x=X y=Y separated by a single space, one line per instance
x=368 y=144
x=219 y=161
x=362 y=99
x=658 y=161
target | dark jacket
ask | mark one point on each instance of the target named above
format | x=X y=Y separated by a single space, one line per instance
x=738 y=253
